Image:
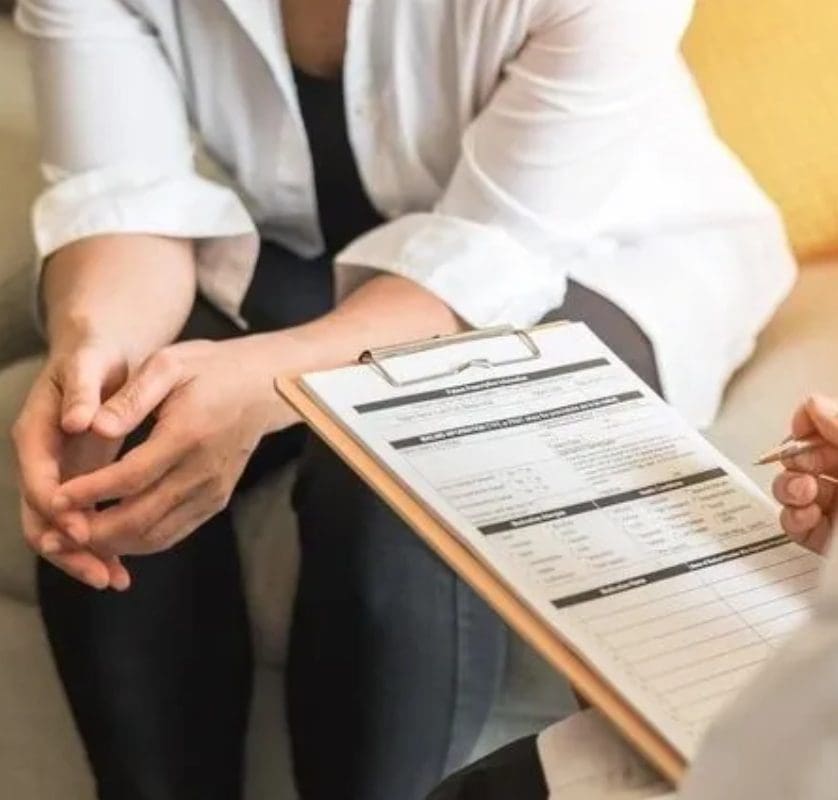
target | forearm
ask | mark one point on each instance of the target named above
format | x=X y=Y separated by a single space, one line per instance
x=133 y=292
x=387 y=310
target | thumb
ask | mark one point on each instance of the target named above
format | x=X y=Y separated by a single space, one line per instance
x=823 y=411
x=82 y=380
x=139 y=397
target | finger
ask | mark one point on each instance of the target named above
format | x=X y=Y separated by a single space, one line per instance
x=134 y=473
x=85 y=453
x=798 y=522
x=38 y=440
x=138 y=398
x=42 y=538
x=823 y=412
x=818 y=538
x=48 y=543
x=51 y=544
x=827 y=492
x=83 y=566
x=67 y=542
x=82 y=379
x=73 y=524
x=818 y=415
x=822 y=459
x=796 y=489
x=55 y=547
x=801 y=422
x=34 y=526
x=125 y=528
x=120 y=578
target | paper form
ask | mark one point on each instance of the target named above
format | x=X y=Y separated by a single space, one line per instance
x=650 y=553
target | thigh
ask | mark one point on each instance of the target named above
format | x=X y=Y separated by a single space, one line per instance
x=390 y=652
x=158 y=678
x=394 y=662
x=614 y=326
x=144 y=670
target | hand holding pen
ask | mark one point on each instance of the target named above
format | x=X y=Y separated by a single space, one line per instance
x=808 y=485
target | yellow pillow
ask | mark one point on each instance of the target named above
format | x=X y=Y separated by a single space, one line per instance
x=769 y=72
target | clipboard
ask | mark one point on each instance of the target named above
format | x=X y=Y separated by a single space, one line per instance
x=436 y=535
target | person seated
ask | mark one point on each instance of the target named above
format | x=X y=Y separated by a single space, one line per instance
x=460 y=164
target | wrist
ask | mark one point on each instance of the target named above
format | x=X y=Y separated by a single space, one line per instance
x=257 y=360
x=77 y=332
x=69 y=334
x=290 y=352
x=69 y=331
x=129 y=293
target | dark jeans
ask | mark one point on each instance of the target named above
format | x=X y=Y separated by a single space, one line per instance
x=512 y=773
x=393 y=662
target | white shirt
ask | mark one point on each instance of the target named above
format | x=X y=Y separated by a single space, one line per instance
x=509 y=144
x=779 y=740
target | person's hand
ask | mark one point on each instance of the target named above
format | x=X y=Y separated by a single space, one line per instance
x=53 y=443
x=212 y=402
x=809 y=504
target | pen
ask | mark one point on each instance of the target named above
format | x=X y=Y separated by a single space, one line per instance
x=789 y=449
x=795 y=447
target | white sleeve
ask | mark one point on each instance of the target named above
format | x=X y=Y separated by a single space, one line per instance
x=779 y=740
x=538 y=165
x=116 y=148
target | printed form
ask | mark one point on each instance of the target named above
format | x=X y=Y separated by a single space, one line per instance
x=648 y=552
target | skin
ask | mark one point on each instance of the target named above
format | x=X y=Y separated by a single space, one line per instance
x=809 y=504
x=96 y=337
x=114 y=306
x=315 y=34
x=100 y=383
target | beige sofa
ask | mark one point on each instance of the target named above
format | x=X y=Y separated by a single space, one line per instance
x=40 y=755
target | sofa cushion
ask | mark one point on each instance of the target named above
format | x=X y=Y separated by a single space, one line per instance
x=267 y=531
x=17 y=564
x=18 y=186
x=40 y=754
x=19 y=337
x=768 y=71
x=18 y=153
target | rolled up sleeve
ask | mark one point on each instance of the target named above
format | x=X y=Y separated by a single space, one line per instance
x=117 y=154
x=538 y=167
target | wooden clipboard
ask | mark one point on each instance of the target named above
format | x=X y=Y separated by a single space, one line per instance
x=669 y=762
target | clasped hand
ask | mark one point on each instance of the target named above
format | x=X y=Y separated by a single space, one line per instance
x=211 y=403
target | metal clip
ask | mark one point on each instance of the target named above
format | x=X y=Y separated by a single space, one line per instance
x=375 y=358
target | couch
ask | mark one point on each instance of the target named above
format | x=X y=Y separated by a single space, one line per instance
x=40 y=754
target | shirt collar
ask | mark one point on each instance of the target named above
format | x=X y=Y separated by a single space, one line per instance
x=261 y=20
